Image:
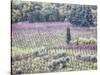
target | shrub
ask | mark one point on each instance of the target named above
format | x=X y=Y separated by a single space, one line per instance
x=64 y=60
x=93 y=59
x=87 y=58
x=56 y=62
x=92 y=40
x=85 y=40
x=53 y=64
x=42 y=53
x=39 y=53
x=35 y=52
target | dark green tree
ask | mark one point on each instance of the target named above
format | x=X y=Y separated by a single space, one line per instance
x=82 y=16
x=68 y=35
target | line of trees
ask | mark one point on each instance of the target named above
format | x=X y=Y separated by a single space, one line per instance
x=84 y=15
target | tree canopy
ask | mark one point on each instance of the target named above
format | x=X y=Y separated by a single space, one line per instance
x=83 y=15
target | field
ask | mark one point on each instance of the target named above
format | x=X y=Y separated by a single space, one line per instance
x=40 y=47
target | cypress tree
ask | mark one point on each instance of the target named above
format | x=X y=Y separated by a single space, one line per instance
x=68 y=35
